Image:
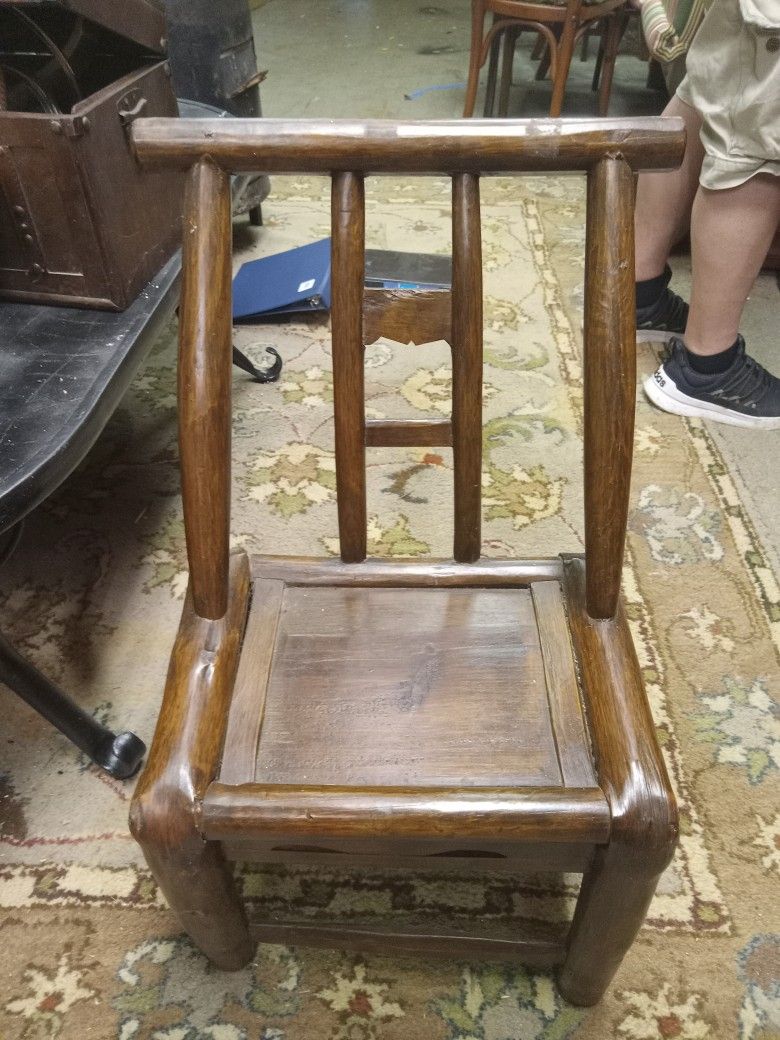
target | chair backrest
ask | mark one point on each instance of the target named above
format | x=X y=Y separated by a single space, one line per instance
x=608 y=151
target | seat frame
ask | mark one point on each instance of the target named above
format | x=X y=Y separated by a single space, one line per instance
x=194 y=811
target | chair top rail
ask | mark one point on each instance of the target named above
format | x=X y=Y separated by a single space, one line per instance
x=479 y=146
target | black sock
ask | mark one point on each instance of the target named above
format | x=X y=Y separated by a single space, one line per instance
x=650 y=290
x=713 y=364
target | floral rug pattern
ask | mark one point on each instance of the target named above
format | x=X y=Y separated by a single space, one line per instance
x=89 y=948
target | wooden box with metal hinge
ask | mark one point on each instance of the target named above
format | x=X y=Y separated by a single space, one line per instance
x=81 y=223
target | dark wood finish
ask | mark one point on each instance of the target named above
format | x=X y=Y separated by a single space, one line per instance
x=246 y=711
x=348 y=265
x=487 y=712
x=617 y=890
x=559 y=26
x=205 y=371
x=509 y=814
x=467 y=366
x=407 y=315
x=307 y=570
x=610 y=377
x=192 y=872
x=468 y=855
x=463 y=693
x=568 y=723
x=403 y=433
x=384 y=146
x=539 y=953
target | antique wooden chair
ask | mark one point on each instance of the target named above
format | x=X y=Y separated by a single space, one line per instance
x=472 y=712
x=560 y=24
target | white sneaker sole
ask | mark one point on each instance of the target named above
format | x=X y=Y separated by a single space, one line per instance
x=670 y=399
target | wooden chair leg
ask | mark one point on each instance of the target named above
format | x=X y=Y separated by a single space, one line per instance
x=619 y=884
x=475 y=56
x=616 y=25
x=192 y=872
x=562 y=65
x=594 y=84
x=490 y=89
x=545 y=55
x=611 y=908
x=510 y=39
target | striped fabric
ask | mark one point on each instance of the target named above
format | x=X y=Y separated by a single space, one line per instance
x=670 y=25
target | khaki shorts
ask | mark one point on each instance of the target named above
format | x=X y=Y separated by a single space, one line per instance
x=733 y=82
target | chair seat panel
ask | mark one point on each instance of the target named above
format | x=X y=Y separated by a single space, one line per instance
x=478 y=690
x=407 y=687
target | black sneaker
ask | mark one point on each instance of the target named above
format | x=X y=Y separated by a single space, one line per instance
x=667 y=317
x=744 y=395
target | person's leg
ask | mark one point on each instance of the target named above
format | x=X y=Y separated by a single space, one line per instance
x=731 y=231
x=710 y=374
x=663 y=200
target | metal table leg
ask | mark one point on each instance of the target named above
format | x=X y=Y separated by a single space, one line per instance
x=119 y=754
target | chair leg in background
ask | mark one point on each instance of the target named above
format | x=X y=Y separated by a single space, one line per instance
x=490 y=89
x=562 y=65
x=616 y=26
x=510 y=39
x=476 y=58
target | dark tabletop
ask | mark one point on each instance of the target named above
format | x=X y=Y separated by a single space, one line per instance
x=63 y=371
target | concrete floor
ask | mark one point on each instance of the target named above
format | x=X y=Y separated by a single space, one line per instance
x=369 y=58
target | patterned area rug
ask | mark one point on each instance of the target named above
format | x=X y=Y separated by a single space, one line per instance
x=93 y=596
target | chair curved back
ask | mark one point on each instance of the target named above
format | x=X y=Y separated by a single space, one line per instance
x=609 y=152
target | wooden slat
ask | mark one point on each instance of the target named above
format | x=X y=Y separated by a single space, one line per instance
x=408 y=433
x=563 y=694
x=407 y=315
x=348 y=267
x=246 y=709
x=205 y=352
x=510 y=814
x=314 y=570
x=467 y=366
x=610 y=378
x=437 y=942
x=480 y=146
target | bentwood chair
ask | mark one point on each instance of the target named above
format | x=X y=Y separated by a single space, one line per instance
x=472 y=712
x=560 y=24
